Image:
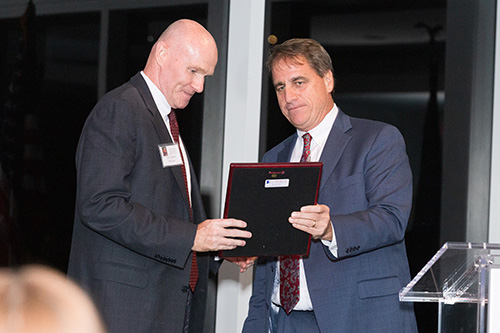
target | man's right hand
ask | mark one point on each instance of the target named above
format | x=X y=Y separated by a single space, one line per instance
x=219 y=234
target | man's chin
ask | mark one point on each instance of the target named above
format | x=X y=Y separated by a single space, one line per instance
x=182 y=104
x=297 y=122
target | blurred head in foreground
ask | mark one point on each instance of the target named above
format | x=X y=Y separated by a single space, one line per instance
x=40 y=299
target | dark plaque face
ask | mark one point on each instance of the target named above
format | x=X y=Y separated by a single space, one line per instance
x=264 y=196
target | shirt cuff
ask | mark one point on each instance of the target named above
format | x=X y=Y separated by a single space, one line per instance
x=332 y=245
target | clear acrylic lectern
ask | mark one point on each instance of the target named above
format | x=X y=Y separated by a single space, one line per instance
x=464 y=279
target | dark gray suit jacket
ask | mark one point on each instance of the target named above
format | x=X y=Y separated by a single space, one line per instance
x=132 y=237
x=367 y=184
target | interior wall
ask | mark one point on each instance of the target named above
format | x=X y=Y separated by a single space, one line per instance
x=241 y=140
x=494 y=225
x=468 y=120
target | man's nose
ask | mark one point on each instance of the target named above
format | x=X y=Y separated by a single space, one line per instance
x=290 y=95
x=198 y=84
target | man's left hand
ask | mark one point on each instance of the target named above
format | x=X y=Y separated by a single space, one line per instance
x=315 y=220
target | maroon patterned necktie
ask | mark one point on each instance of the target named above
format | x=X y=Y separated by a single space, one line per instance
x=289 y=265
x=174 y=128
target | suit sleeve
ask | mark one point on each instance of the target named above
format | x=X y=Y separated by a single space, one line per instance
x=370 y=208
x=122 y=189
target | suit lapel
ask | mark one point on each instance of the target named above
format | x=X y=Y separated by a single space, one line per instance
x=333 y=150
x=286 y=153
x=162 y=131
x=335 y=145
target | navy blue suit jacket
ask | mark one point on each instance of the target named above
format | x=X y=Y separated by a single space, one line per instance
x=132 y=237
x=367 y=184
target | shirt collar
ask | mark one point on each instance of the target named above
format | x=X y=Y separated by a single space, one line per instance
x=158 y=97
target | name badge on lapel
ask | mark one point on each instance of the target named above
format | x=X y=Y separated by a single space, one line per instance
x=170 y=154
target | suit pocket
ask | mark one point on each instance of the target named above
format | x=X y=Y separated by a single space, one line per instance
x=120 y=273
x=378 y=287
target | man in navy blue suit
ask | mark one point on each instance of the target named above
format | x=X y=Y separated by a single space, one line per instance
x=357 y=263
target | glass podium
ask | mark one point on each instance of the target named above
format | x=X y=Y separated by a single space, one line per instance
x=464 y=278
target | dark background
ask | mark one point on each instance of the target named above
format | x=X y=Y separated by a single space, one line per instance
x=394 y=83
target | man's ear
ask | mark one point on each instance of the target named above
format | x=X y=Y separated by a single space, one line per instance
x=161 y=52
x=329 y=82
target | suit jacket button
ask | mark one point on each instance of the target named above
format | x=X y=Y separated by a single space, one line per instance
x=185 y=289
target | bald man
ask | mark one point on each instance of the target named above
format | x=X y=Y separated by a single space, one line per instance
x=140 y=231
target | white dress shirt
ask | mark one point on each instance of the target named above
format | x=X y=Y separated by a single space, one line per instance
x=165 y=109
x=319 y=136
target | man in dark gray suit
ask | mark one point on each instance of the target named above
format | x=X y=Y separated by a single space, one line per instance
x=357 y=263
x=141 y=242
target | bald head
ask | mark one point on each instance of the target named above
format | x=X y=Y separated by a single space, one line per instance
x=184 y=30
x=179 y=61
